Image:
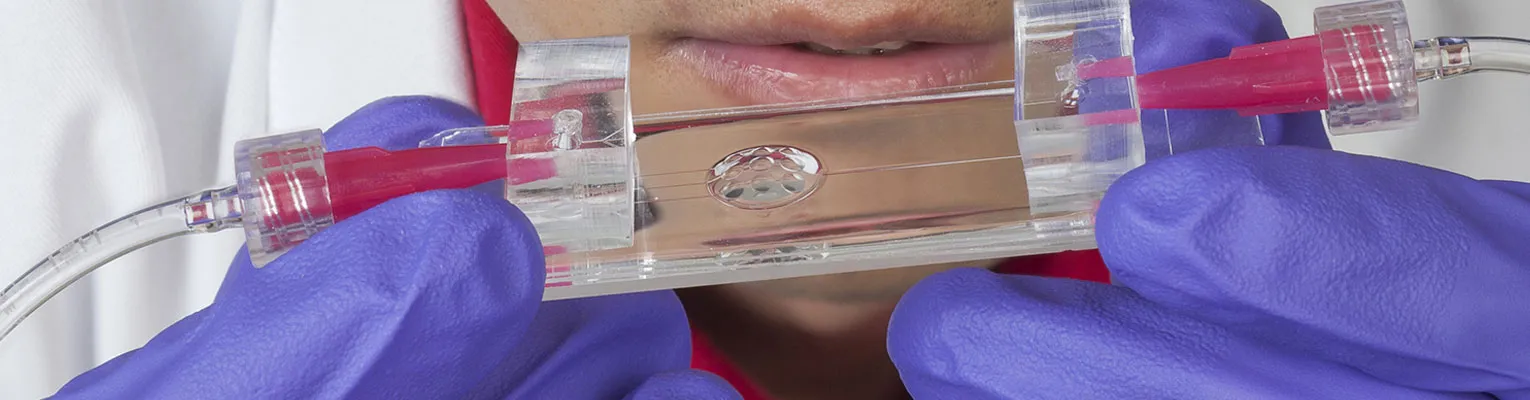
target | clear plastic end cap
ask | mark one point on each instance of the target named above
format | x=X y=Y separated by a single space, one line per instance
x=285 y=193
x=1367 y=52
x=571 y=126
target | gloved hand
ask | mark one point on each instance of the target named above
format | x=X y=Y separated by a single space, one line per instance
x=1249 y=273
x=430 y=296
x=1252 y=273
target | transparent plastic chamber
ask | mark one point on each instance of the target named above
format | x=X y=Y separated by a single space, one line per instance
x=958 y=174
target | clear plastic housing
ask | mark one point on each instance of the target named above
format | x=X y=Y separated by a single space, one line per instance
x=784 y=190
x=1368 y=57
x=284 y=192
x=572 y=94
x=955 y=174
x=1079 y=123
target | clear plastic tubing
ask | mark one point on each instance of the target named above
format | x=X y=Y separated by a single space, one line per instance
x=207 y=211
x=1447 y=57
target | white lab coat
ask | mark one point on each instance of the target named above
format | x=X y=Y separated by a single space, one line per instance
x=110 y=105
x=107 y=106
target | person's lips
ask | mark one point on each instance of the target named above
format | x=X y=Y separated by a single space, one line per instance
x=788 y=57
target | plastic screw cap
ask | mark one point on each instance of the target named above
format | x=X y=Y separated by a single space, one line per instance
x=284 y=190
x=1367 y=52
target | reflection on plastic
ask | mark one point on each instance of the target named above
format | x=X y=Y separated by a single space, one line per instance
x=954 y=174
x=586 y=201
x=797 y=189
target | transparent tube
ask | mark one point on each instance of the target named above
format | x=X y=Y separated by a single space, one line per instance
x=1449 y=57
x=1499 y=54
x=207 y=211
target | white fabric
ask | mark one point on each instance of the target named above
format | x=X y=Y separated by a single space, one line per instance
x=107 y=107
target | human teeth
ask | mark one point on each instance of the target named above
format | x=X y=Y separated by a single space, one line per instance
x=873 y=50
x=889 y=45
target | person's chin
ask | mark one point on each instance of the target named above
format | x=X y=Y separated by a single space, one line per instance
x=878 y=286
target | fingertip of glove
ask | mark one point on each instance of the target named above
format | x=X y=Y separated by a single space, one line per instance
x=975 y=334
x=457 y=273
x=932 y=305
x=1159 y=211
x=397 y=123
x=934 y=321
x=940 y=292
x=452 y=238
x=691 y=384
x=946 y=304
x=1175 y=228
x=470 y=223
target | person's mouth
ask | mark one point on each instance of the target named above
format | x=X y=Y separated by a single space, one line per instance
x=792 y=57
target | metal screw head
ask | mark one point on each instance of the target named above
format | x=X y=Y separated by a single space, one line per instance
x=568 y=129
x=765 y=177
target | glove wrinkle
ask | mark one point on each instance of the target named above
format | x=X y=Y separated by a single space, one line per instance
x=1389 y=267
x=685 y=385
x=1039 y=338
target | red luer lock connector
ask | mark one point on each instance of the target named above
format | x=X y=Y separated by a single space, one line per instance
x=362 y=178
x=1288 y=76
x=355 y=180
x=291 y=188
x=1359 y=69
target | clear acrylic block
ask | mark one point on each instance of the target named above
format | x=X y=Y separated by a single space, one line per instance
x=1079 y=123
x=957 y=174
x=571 y=97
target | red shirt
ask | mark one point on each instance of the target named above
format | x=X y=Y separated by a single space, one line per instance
x=493 y=50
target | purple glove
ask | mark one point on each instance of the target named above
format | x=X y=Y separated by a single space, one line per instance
x=1249 y=273
x=436 y=295
x=1253 y=273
